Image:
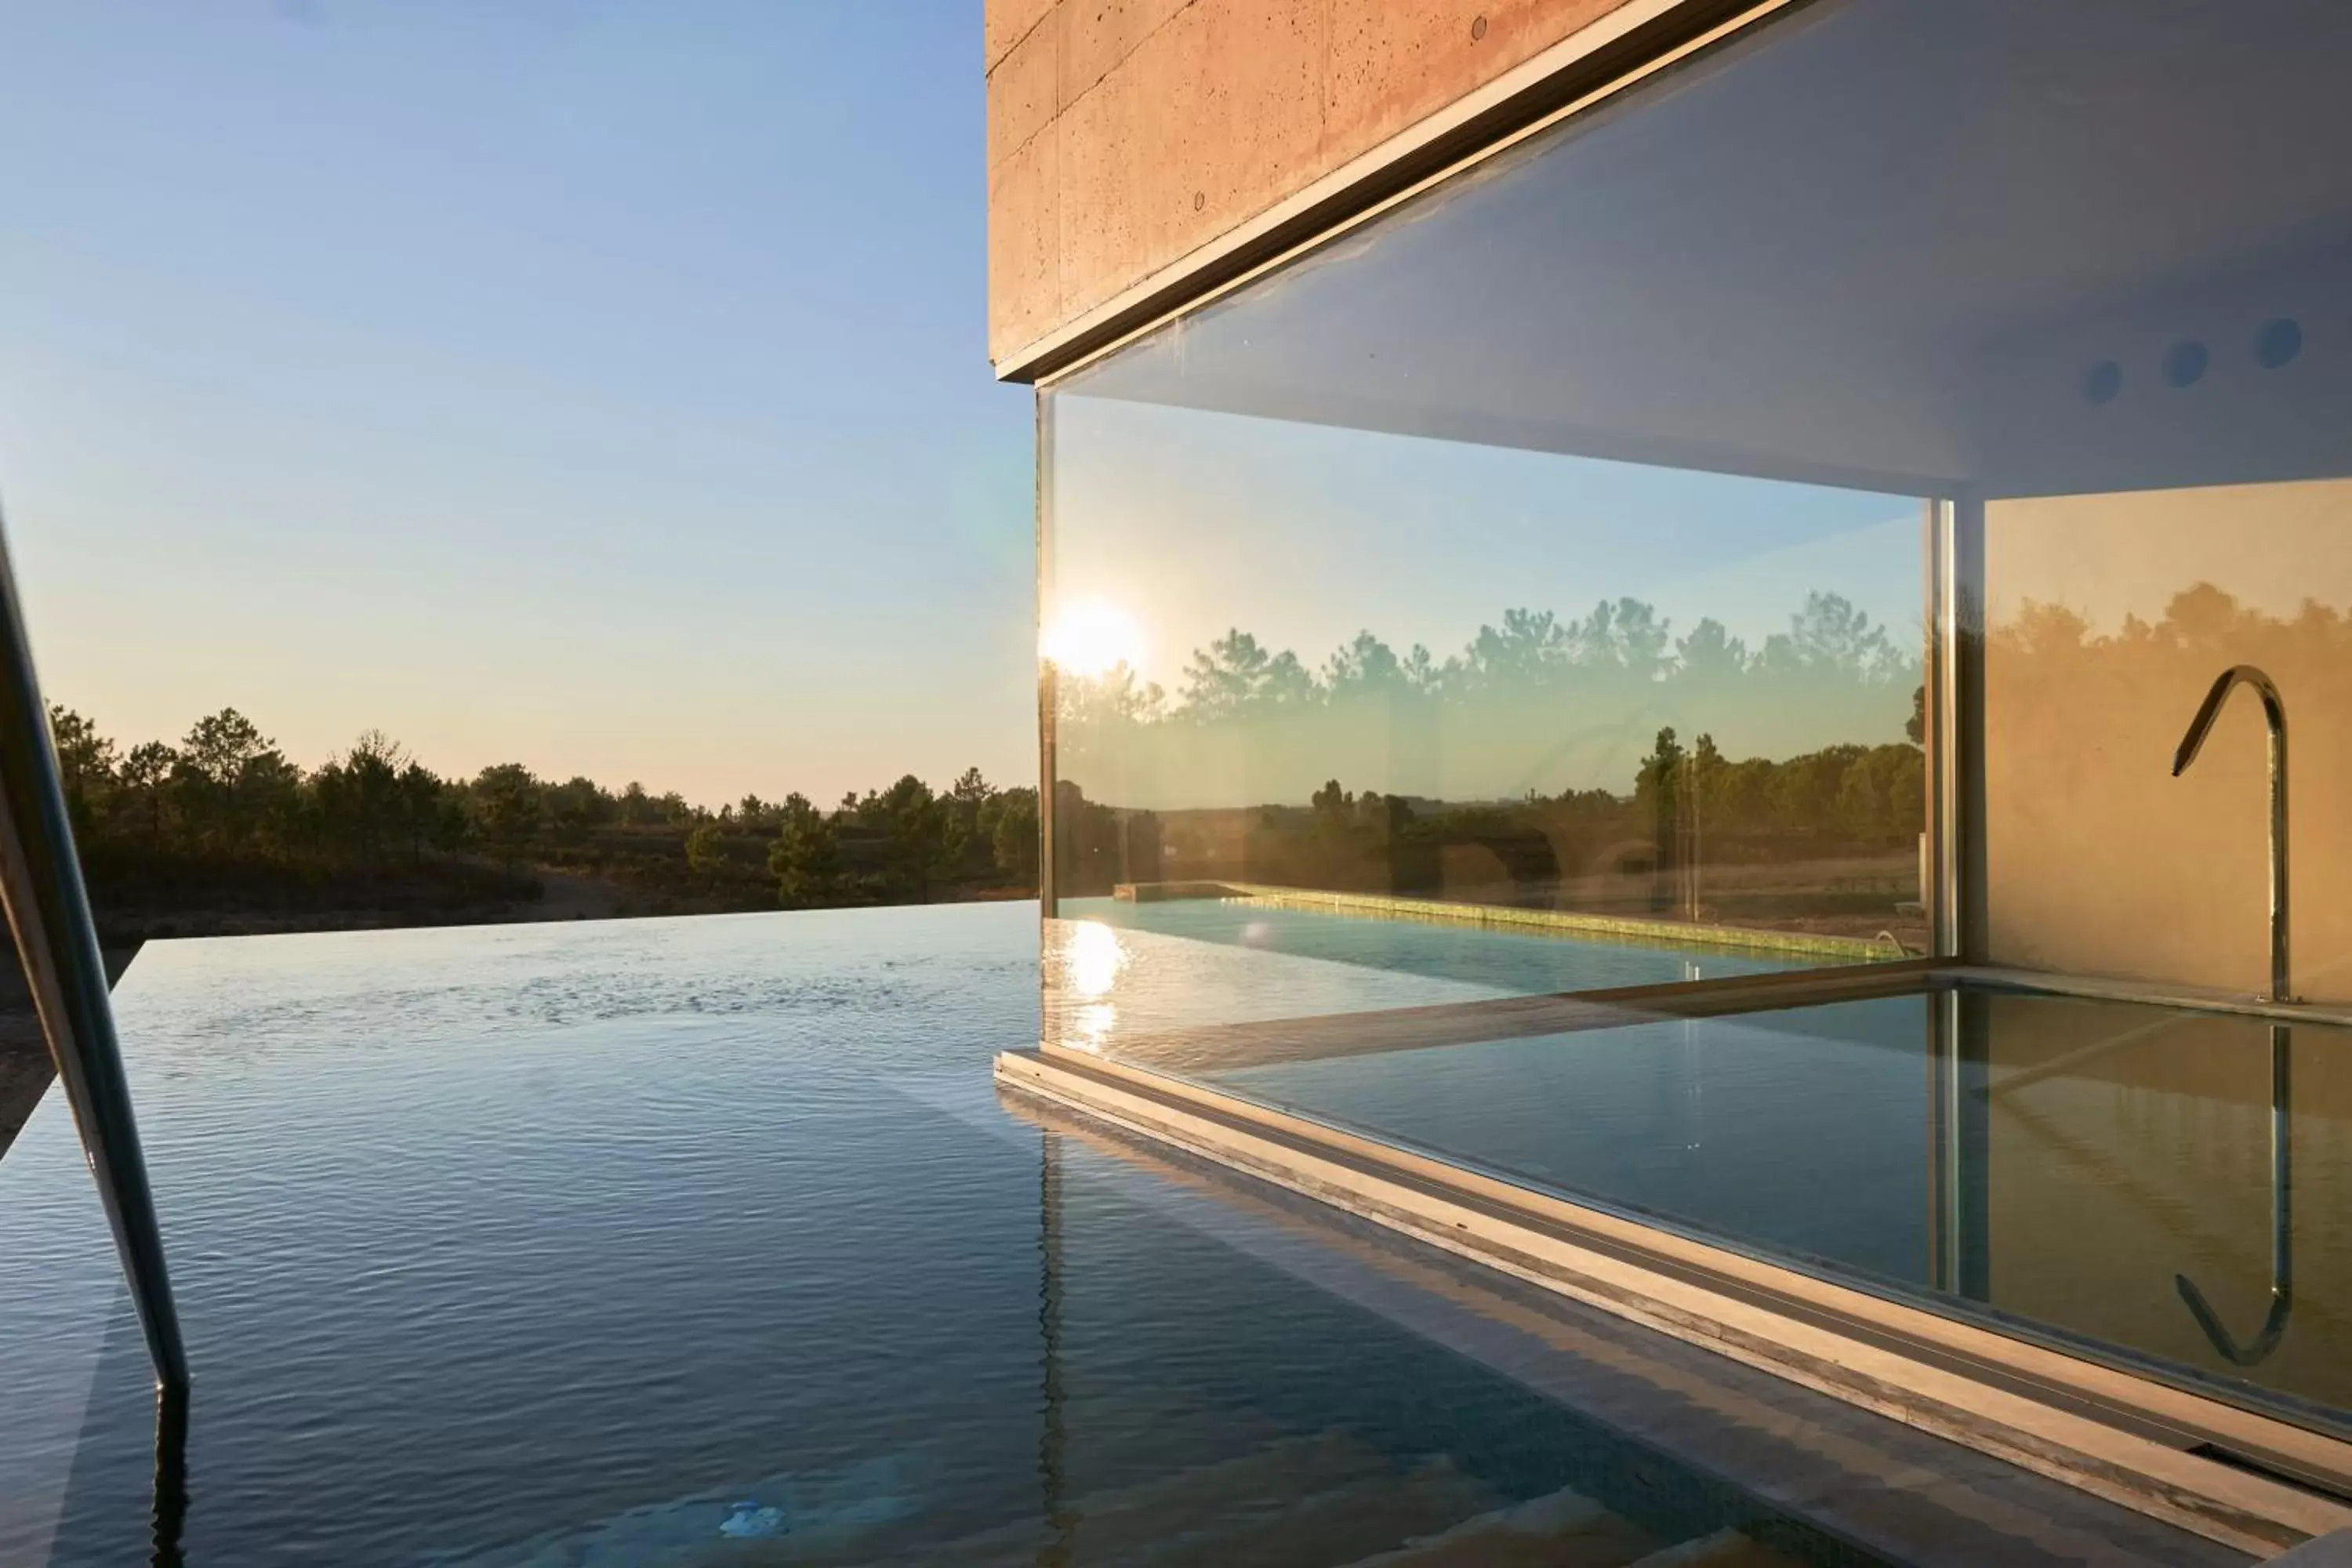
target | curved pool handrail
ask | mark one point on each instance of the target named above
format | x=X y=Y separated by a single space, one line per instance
x=2275 y=717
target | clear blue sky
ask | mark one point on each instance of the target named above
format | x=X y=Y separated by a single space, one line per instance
x=598 y=386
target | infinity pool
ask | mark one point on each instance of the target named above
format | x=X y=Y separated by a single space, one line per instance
x=707 y=1242
x=1501 y=962
x=1121 y=976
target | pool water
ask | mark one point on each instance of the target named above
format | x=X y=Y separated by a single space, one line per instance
x=2064 y=1163
x=707 y=1242
x=1500 y=961
x=1804 y=1129
x=1120 y=976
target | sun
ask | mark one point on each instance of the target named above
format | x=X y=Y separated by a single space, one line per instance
x=1089 y=638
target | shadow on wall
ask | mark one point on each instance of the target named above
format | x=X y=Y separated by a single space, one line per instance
x=2100 y=860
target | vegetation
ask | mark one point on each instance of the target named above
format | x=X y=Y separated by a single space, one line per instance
x=222 y=833
x=1587 y=763
x=1693 y=776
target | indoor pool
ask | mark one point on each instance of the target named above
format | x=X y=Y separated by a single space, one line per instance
x=707 y=1242
x=2159 y=1183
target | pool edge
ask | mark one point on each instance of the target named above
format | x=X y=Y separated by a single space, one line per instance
x=1807 y=1331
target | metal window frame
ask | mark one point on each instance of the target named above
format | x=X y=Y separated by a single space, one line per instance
x=1956 y=894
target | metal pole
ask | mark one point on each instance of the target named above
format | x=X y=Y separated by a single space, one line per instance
x=1049 y=890
x=48 y=912
x=1939 y=877
x=2275 y=716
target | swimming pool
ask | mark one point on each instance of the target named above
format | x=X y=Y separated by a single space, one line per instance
x=706 y=1242
x=1122 y=976
x=2162 y=1184
x=1498 y=960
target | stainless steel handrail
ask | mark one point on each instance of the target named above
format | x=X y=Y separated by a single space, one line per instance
x=48 y=912
x=2282 y=1293
x=2274 y=715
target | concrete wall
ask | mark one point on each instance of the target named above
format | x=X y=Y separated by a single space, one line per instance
x=1122 y=135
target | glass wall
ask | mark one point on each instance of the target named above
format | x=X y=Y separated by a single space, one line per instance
x=1305 y=656
x=1816 y=487
x=1541 y=566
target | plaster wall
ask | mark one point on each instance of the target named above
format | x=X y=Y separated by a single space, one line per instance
x=2111 y=616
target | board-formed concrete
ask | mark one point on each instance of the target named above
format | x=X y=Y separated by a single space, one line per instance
x=1124 y=134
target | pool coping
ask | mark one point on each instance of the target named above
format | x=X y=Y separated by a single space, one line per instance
x=1751 y=1432
x=1634 y=929
x=2125 y=1438
x=1319 y=1036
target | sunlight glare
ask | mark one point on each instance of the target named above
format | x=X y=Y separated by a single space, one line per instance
x=1090 y=638
x=1095 y=958
x=1089 y=956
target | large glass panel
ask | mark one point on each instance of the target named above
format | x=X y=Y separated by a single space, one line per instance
x=1675 y=721
x=1529 y=591
x=1535 y=681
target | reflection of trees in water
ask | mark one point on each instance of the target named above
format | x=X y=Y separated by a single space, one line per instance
x=1574 y=733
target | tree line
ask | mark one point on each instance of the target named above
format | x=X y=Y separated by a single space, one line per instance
x=222 y=831
x=1604 y=750
x=1624 y=640
x=1534 y=702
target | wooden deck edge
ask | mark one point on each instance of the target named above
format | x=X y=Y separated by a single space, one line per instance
x=2236 y=1507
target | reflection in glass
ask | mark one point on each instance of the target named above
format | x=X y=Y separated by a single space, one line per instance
x=2282 y=1300
x=1656 y=695
x=1855 y=451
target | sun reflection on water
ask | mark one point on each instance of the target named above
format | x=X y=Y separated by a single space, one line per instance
x=1091 y=958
